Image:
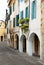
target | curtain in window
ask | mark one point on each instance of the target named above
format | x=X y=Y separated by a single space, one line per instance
x=21 y=14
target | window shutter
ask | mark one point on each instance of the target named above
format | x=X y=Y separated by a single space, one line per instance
x=13 y=22
x=17 y=17
x=21 y=14
x=26 y=12
x=33 y=9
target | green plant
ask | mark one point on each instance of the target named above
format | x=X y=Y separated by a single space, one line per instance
x=26 y=25
x=26 y=19
x=20 y=21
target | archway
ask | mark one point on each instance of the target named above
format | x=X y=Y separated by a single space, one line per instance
x=23 y=43
x=17 y=41
x=34 y=45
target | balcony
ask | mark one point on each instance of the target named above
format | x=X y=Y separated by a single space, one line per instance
x=24 y=24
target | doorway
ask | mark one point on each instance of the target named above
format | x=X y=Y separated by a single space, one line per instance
x=23 y=43
x=34 y=45
x=17 y=41
x=1 y=38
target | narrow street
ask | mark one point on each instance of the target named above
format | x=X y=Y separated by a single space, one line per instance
x=10 y=56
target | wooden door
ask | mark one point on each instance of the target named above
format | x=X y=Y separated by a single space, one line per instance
x=24 y=45
x=17 y=42
x=12 y=40
x=36 y=45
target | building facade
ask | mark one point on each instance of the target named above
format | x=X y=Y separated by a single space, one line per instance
x=27 y=20
x=7 y=26
x=14 y=16
x=3 y=31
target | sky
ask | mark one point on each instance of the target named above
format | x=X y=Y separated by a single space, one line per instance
x=3 y=7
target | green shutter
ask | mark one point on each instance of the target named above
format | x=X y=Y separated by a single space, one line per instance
x=26 y=12
x=33 y=9
x=13 y=6
x=17 y=17
x=21 y=14
x=14 y=22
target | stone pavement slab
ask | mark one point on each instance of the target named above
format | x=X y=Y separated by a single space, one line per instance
x=10 y=56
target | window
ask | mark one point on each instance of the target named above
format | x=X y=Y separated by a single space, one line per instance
x=33 y=9
x=26 y=12
x=13 y=22
x=21 y=14
x=20 y=0
x=17 y=17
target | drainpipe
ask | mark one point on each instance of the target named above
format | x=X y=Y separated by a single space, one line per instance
x=29 y=11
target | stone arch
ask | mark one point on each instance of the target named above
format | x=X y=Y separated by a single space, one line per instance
x=17 y=41
x=23 y=43
x=34 y=44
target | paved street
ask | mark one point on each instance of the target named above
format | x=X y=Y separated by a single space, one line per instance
x=10 y=56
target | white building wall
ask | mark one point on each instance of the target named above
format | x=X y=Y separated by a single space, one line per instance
x=34 y=25
x=15 y=12
x=42 y=27
x=13 y=15
x=23 y=5
x=16 y=8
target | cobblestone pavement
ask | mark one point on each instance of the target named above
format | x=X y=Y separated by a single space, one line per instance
x=9 y=56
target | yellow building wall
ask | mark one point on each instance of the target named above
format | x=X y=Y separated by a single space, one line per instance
x=3 y=31
x=42 y=27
